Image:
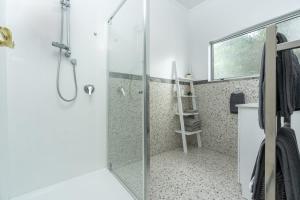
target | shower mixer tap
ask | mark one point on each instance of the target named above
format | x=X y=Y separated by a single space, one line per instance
x=89 y=89
x=64 y=47
x=61 y=46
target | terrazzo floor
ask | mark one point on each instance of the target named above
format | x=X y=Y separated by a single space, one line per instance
x=200 y=175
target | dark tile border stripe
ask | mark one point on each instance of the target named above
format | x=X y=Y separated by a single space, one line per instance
x=125 y=76
x=163 y=80
x=222 y=81
x=139 y=77
x=201 y=82
x=170 y=81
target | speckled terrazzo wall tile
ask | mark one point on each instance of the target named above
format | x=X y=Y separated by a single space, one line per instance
x=163 y=121
x=125 y=124
x=220 y=127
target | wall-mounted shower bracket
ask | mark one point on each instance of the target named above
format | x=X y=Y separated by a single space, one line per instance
x=60 y=46
x=63 y=47
x=65 y=3
x=68 y=53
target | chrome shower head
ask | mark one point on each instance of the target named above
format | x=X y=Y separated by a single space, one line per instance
x=74 y=62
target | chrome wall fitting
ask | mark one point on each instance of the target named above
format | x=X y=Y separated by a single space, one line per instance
x=89 y=89
x=122 y=91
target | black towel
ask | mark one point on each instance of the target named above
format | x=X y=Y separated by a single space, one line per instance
x=288 y=100
x=191 y=121
x=288 y=165
x=235 y=99
x=192 y=129
x=296 y=63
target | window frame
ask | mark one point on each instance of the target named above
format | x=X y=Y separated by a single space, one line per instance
x=257 y=27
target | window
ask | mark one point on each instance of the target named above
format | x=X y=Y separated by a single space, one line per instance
x=291 y=29
x=241 y=55
x=238 y=57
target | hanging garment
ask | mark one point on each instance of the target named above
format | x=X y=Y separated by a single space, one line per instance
x=287 y=65
x=287 y=172
x=297 y=64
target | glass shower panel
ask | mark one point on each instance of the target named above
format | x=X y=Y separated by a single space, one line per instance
x=126 y=98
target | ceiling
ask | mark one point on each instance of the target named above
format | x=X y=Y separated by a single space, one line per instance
x=190 y=3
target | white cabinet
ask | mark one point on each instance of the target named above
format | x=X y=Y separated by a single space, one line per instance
x=250 y=138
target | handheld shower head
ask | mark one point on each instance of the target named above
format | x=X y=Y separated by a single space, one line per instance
x=74 y=62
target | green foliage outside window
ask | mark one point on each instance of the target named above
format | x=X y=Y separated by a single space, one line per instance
x=241 y=56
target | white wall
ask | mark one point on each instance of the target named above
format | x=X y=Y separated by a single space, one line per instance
x=50 y=141
x=214 y=19
x=168 y=38
x=3 y=112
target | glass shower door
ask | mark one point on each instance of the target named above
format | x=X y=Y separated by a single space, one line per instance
x=126 y=96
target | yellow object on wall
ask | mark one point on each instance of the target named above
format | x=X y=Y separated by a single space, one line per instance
x=6 y=38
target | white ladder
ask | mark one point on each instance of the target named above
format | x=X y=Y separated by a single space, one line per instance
x=181 y=113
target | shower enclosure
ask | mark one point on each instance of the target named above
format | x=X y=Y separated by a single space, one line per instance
x=127 y=96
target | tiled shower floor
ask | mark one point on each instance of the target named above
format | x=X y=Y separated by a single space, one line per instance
x=200 y=175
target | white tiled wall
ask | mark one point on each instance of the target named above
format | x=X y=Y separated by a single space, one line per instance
x=50 y=141
x=3 y=111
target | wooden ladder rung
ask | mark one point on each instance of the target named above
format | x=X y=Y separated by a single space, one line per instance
x=188 y=132
x=187 y=96
x=188 y=114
